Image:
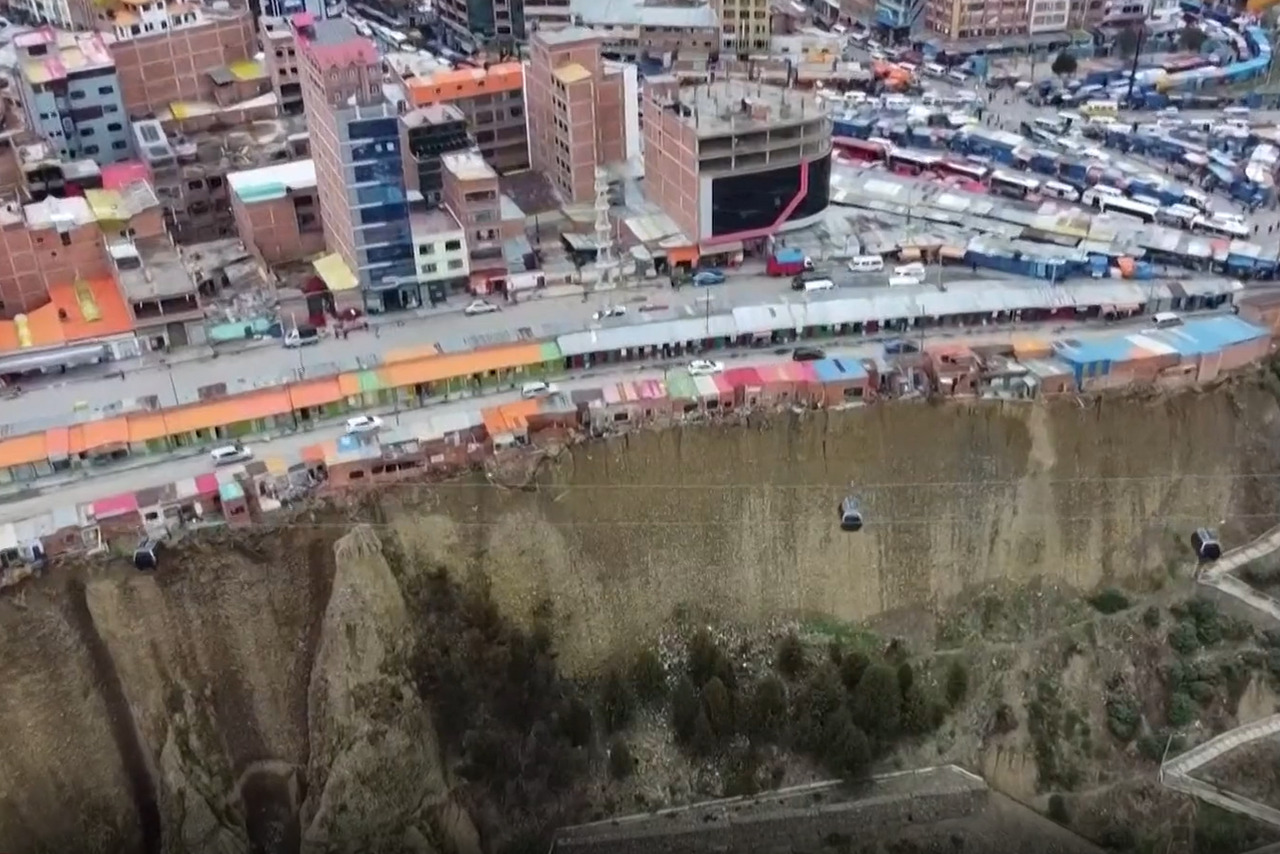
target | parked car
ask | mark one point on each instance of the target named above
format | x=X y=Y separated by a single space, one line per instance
x=228 y=454
x=610 y=311
x=537 y=388
x=364 y=424
x=705 y=367
x=807 y=354
x=653 y=306
x=479 y=307
x=301 y=336
x=702 y=278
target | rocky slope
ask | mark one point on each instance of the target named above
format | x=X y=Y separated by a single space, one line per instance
x=251 y=695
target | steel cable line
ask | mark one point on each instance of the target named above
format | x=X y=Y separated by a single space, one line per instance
x=872 y=522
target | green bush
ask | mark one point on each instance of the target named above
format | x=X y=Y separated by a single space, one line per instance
x=1184 y=639
x=1123 y=717
x=1208 y=622
x=707 y=660
x=1151 y=746
x=1109 y=601
x=1181 y=710
x=876 y=703
x=848 y=751
x=621 y=763
x=917 y=711
x=906 y=677
x=790 y=659
x=957 y=683
x=1202 y=692
x=765 y=716
x=1151 y=617
x=1005 y=720
x=648 y=677
x=852 y=667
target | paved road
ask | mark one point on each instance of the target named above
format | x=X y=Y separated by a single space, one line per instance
x=99 y=386
x=157 y=471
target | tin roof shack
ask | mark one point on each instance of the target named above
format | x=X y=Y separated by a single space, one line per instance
x=119 y=523
x=841 y=381
x=953 y=369
x=555 y=420
x=1049 y=377
x=1113 y=362
x=628 y=403
x=349 y=461
x=784 y=384
x=1262 y=310
x=61 y=531
x=716 y=394
x=235 y=504
x=683 y=394
x=1214 y=344
x=449 y=440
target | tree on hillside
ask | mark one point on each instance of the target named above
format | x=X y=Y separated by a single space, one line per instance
x=648 y=676
x=685 y=708
x=766 y=714
x=1192 y=39
x=718 y=705
x=877 y=702
x=1065 y=64
x=617 y=703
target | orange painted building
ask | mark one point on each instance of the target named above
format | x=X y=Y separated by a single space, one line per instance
x=493 y=102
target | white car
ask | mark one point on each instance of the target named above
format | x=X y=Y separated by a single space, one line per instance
x=364 y=424
x=610 y=311
x=704 y=368
x=228 y=454
x=537 y=388
x=479 y=307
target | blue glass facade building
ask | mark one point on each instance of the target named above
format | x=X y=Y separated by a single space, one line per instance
x=373 y=167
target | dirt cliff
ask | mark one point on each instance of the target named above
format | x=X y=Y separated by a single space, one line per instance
x=250 y=696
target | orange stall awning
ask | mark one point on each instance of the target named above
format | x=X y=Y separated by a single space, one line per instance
x=31 y=448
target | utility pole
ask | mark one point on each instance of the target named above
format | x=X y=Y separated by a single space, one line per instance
x=1133 y=67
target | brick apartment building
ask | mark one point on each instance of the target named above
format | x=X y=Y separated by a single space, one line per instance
x=277 y=212
x=359 y=165
x=732 y=161
x=576 y=111
x=492 y=100
x=427 y=134
x=472 y=195
x=173 y=64
x=280 y=60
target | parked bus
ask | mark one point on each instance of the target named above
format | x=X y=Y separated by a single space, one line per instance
x=1215 y=227
x=1177 y=216
x=1094 y=196
x=968 y=171
x=1059 y=190
x=1129 y=208
x=912 y=162
x=1014 y=186
x=859 y=149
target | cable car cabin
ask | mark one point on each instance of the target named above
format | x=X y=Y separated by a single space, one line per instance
x=850 y=514
x=146 y=556
x=1206 y=545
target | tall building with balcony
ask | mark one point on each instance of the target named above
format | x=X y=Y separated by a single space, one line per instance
x=427 y=134
x=965 y=19
x=280 y=61
x=576 y=113
x=473 y=197
x=355 y=143
x=493 y=102
x=732 y=162
x=72 y=95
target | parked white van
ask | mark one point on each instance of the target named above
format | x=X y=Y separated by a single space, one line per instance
x=905 y=281
x=915 y=268
x=1059 y=190
x=1166 y=319
x=819 y=285
x=228 y=454
x=866 y=264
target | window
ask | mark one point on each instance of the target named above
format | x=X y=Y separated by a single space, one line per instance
x=195 y=185
x=118 y=145
x=86 y=131
x=373 y=129
x=427 y=249
x=110 y=108
x=77 y=95
x=455 y=265
x=115 y=127
x=105 y=90
x=430 y=268
x=452 y=245
x=215 y=182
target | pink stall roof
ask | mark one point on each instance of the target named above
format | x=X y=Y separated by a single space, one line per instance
x=116 y=505
x=207 y=484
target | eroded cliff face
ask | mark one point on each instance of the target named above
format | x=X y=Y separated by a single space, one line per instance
x=251 y=695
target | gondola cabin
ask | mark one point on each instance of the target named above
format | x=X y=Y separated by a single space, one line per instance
x=146 y=556
x=1206 y=545
x=850 y=514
